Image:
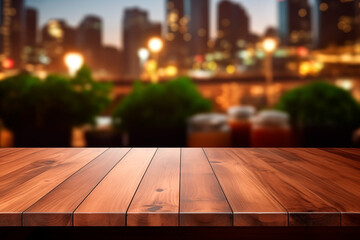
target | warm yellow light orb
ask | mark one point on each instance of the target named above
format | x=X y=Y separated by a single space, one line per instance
x=171 y=71
x=269 y=45
x=231 y=69
x=74 y=61
x=155 y=45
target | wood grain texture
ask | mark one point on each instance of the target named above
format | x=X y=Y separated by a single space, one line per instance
x=304 y=207
x=29 y=158
x=180 y=187
x=325 y=176
x=251 y=203
x=7 y=151
x=56 y=208
x=202 y=201
x=108 y=203
x=57 y=167
x=156 y=202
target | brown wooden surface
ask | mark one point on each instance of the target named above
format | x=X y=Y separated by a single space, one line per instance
x=202 y=201
x=251 y=203
x=180 y=187
x=108 y=203
x=57 y=207
x=305 y=208
x=156 y=202
x=51 y=167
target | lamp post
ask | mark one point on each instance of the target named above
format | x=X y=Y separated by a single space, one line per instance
x=269 y=45
x=156 y=45
x=143 y=55
x=74 y=62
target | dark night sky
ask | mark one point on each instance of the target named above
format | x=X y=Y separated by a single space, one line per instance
x=263 y=13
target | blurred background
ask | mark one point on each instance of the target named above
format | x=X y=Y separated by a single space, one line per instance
x=195 y=73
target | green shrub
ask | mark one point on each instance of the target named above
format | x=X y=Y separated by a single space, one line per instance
x=160 y=106
x=27 y=102
x=321 y=104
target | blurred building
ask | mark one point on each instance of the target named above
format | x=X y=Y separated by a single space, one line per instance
x=137 y=30
x=233 y=27
x=1 y=35
x=112 y=64
x=357 y=19
x=12 y=40
x=197 y=18
x=31 y=24
x=294 y=21
x=57 y=38
x=89 y=40
x=334 y=23
x=177 y=27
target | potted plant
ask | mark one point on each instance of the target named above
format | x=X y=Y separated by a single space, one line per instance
x=42 y=113
x=156 y=114
x=325 y=114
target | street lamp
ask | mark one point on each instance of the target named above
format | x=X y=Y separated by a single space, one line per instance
x=74 y=62
x=269 y=45
x=143 y=55
x=156 y=45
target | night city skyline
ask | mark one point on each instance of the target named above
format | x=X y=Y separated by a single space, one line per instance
x=112 y=14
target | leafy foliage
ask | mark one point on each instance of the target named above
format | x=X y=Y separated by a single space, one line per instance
x=160 y=106
x=28 y=102
x=321 y=104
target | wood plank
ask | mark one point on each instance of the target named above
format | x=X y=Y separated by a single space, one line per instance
x=27 y=164
x=108 y=203
x=26 y=157
x=58 y=166
x=251 y=203
x=57 y=207
x=202 y=201
x=156 y=202
x=7 y=151
x=304 y=207
x=323 y=177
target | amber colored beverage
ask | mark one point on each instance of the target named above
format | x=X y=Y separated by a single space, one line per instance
x=240 y=125
x=209 y=139
x=271 y=137
x=208 y=130
x=271 y=128
x=241 y=133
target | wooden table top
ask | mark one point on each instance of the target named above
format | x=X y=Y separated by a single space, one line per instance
x=179 y=187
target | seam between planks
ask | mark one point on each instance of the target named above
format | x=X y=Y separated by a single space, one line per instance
x=72 y=215
x=267 y=191
x=298 y=182
x=22 y=214
x=222 y=190
x=179 y=216
x=137 y=188
x=339 y=211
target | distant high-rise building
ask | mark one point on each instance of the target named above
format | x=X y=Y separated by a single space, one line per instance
x=137 y=31
x=89 y=40
x=112 y=63
x=177 y=26
x=197 y=17
x=294 y=18
x=31 y=24
x=31 y=27
x=1 y=35
x=233 y=26
x=12 y=30
x=334 y=23
x=357 y=19
x=57 y=39
x=135 y=28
